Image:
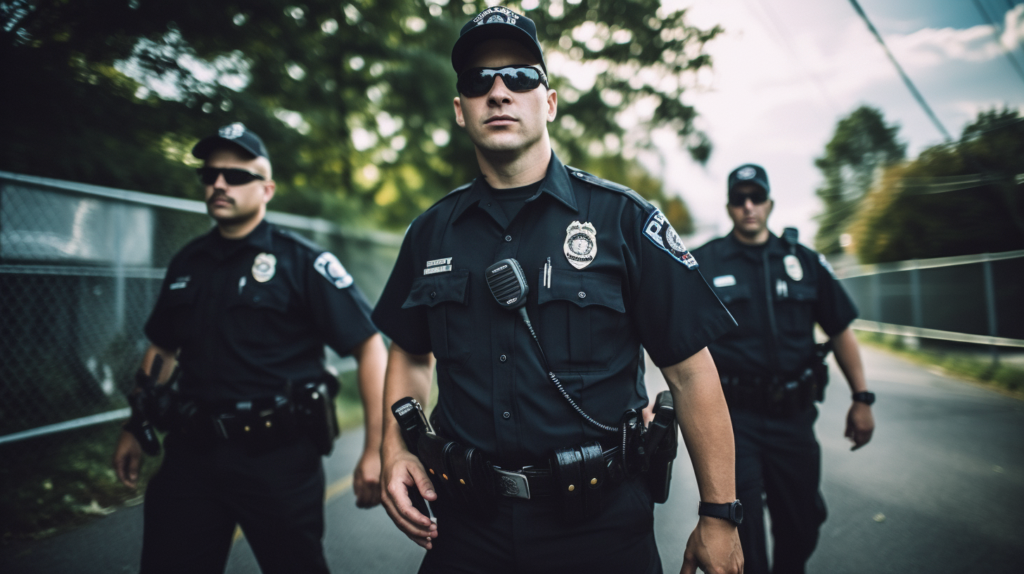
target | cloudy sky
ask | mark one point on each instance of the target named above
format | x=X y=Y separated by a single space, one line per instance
x=785 y=71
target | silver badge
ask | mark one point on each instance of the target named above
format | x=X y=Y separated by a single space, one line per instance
x=793 y=268
x=332 y=270
x=580 y=244
x=263 y=267
x=746 y=173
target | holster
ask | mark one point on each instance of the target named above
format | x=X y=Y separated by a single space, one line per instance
x=579 y=475
x=313 y=408
x=820 y=369
x=661 y=446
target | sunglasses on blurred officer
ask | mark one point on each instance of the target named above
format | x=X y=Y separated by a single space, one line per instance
x=232 y=175
x=475 y=82
x=757 y=197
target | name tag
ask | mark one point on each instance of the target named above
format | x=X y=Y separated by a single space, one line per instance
x=442 y=265
x=724 y=281
x=178 y=285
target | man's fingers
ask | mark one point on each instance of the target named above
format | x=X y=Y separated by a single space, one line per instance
x=689 y=565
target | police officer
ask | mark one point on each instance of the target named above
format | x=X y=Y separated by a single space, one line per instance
x=246 y=311
x=606 y=274
x=777 y=290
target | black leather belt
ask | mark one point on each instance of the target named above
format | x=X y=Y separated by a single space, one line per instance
x=538 y=482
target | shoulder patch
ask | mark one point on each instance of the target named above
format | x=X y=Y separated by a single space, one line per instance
x=332 y=270
x=827 y=266
x=594 y=180
x=660 y=232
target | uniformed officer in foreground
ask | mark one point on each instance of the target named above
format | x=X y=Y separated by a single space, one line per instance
x=772 y=373
x=528 y=481
x=246 y=311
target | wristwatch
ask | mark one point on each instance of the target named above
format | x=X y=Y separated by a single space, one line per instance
x=732 y=511
x=866 y=397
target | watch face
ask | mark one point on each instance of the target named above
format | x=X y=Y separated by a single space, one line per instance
x=737 y=512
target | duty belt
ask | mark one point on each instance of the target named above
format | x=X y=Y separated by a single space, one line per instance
x=539 y=482
x=771 y=395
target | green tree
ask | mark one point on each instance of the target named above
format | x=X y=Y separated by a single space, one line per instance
x=954 y=199
x=861 y=145
x=354 y=98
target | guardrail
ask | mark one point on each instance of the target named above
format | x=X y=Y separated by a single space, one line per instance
x=80 y=268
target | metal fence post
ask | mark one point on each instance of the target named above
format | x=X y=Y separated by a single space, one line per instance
x=990 y=306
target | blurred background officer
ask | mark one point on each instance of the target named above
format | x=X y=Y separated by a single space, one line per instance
x=777 y=290
x=247 y=309
x=606 y=273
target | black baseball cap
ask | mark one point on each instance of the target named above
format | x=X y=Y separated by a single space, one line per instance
x=492 y=23
x=236 y=134
x=749 y=173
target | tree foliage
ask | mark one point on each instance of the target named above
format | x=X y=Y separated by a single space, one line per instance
x=861 y=145
x=354 y=98
x=957 y=199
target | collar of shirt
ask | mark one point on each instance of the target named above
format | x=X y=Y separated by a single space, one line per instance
x=737 y=249
x=260 y=238
x=556 y=184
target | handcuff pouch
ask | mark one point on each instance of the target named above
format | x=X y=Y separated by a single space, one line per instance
x=579 y=477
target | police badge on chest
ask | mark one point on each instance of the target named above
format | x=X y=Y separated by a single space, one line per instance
x=580 y=244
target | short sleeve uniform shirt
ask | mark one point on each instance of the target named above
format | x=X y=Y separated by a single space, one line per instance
x=248 y=315
x=620 y=278
x=777 y=293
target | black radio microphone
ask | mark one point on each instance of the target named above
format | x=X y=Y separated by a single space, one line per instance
x=507 y=283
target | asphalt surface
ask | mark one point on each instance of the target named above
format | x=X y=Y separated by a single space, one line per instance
x=940 y=488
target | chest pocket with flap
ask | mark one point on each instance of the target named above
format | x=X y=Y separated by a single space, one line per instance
x=439 y=293
x=795 y=306
x=582 y=318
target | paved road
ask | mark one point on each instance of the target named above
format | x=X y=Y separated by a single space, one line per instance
x=939 y=489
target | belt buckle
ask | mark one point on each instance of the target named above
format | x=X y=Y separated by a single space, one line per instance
x=513 y=484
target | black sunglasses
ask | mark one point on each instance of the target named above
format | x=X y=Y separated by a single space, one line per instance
x=232 y=175
x=475 y=82
x=740 y=199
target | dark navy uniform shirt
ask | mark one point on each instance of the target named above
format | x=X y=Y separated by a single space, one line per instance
x=250 y=314
x=773 y=288
x=637 y=285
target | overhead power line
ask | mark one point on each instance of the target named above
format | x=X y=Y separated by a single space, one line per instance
x=906 y=79
x=995 y=34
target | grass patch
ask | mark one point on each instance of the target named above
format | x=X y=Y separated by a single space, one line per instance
x=60 y=481
x=1006 y=378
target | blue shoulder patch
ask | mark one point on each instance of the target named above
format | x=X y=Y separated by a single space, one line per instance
x=660 y=232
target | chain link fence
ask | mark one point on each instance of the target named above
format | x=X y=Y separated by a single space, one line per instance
x=972 y=299
x=80 y=270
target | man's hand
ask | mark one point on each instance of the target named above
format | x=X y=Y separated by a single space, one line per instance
x=860 y=423
x=401 y=472
x=366 y=480
x=127 y=459
x=714 y=546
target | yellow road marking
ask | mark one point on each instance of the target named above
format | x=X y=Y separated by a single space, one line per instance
x=338 y=488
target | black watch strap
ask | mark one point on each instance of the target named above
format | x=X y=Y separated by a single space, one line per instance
x=732 y=511
x=866 y=397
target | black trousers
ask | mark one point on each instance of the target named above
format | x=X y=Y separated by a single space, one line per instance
x=529 y=536
x=779 y=459
x=200 y=493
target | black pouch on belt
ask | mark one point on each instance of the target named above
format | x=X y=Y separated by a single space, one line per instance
x=468 y=477
x=579 y=475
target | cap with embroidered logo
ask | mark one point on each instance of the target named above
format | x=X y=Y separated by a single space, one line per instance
x=235 y=134
x=749 y=173
x=493 y=23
